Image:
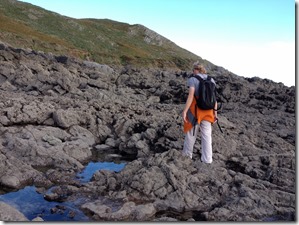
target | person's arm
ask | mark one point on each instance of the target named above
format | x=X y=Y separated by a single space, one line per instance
x=188 y=103
x=215 y=106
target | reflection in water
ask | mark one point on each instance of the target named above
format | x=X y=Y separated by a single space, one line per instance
x=92 y=167
x=33 y=204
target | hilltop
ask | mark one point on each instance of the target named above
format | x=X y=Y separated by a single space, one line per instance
x=100 y=40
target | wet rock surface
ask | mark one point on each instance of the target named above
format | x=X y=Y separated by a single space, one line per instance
x=58 y=113
x=9 y=213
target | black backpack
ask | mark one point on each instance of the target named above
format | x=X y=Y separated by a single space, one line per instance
x=206 y=96
x=206 y=93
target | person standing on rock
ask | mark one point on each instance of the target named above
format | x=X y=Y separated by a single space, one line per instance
x=205 y=118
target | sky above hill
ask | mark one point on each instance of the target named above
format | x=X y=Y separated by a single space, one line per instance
x=247 y=37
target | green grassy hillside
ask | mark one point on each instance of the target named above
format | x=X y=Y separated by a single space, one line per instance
x=105 y=41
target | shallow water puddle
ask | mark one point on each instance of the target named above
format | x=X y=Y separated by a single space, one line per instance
x=32 y=204
x=92 y=167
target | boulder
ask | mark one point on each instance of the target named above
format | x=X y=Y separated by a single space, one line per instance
x=11 y=214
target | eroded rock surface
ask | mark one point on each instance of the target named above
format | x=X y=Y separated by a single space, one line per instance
x=57 y=113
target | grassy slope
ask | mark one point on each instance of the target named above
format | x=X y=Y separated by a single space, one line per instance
x=104 y=41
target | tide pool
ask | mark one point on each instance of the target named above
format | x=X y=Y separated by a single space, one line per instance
x=32 y=204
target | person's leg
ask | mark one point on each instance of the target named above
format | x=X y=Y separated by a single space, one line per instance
x=206 y=141
x=190 y=141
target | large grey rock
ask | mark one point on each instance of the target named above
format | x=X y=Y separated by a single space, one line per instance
x=175 y=183
x=11 y=214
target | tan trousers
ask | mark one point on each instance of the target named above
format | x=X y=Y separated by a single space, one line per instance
x=206 y=141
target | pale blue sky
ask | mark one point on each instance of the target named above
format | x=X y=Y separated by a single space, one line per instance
x=247 y=37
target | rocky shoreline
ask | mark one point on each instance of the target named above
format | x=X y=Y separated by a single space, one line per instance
x=57 y=113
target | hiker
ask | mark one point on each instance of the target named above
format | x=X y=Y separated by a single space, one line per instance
x=205 y=118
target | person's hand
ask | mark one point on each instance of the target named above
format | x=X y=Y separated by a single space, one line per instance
x=215 y=116
x=215 y=119
x=185 y=118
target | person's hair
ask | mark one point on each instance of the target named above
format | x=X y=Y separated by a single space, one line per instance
x=199 y=67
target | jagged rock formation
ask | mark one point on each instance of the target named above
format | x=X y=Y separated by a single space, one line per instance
x=57 y=112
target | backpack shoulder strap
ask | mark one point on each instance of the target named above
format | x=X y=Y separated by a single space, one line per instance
x=197 y=77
